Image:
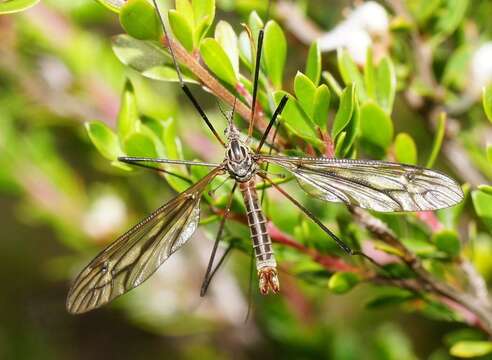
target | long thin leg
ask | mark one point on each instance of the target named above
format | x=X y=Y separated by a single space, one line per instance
x=209 y=274
x=339 y=242
x=277 y=112
x=250 y=284
x=184 y=87
x=160 y=170
x=255 y=82
x=207 y=281
x=134 y=160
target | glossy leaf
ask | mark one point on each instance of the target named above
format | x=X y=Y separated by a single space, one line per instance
x=305 y=91
x=385 y=84
x=255 y=24
x=448 y=242
x=140 y=20
x=489 y=153
x=321 y=106
x=104 y=139
x=128 y=119
x=376 y=125
x=482 y=202
x=245 y=49
x=345 y=111
x=140 y=144
x=113 y=5
x=486 y=189
x=370 y=75
x=275 y=52
x=405 y=149
x=227 y=38
x=438 y=139
x=13 y=6
x=350 y=73
x=204 y=14
x=342 y=282
x=147 y=57
x=182 y=29
x=471 y=349
x=313 y=64
x=332 y=83
x=217 y=60
x=296 y=120
x=487 y=101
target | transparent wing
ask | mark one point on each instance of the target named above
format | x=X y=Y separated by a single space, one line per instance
x=137 y=254
x=376 y=185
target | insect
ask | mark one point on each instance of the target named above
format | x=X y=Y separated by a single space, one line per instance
x=137 y=254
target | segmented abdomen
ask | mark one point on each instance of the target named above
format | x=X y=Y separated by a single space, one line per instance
x=257 y=226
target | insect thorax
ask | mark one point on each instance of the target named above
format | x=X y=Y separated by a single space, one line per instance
x=239 y=160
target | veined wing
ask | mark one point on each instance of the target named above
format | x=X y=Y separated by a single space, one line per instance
x=137 y=254
x=376 y=185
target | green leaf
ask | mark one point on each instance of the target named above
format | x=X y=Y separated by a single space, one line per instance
x=489 y=153
x=313 y=64
x=204 y=14
x=339 y=144
x=347 y=119
x=448 y=242
x=376 y=125
x=113 y=5
x=342 y=282
x=438 y=138
x=184 y=8
x=332 y=83
x=13 y=6
x=405 y=149
x=275 y=52
x=140 y=20
x=226 y=37
x=486 y=189
x=182 y=29
x=245 y=49
x=470 y=349
x=321 y=106
x=487 y=101
x=370 y=75
x=305 y=90
x=217 y=60
x=385 y=84
x=104 y=139
x=140 y=144
x=128 y=118
x=456 y=70
x=482 y=202
x=451 y=16
x=296 y=120
x=350 y=73
x=255 y=24
x=345 y=111
x=147 y=57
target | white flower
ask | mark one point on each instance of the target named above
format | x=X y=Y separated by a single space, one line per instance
x=105 y=216
x=481 y=68
x=354 y=33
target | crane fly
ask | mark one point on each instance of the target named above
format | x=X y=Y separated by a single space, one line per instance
x=137 y=254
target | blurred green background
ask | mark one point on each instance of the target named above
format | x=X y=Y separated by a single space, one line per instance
x=61 y=202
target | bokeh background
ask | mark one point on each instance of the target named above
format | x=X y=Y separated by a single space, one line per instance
x=61 y=202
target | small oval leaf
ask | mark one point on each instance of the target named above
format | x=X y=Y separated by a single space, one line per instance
x=227 y=38
x=275 y=50
x=405 y=149
x=217 y=60
x=13 y=6
x=376 y=125
x=342 y=282
x=104 y=139
x=448 y=242
x=313 y=64
x=128 y=119
x=182 y=29
x=470 y=349
x=140 y=20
